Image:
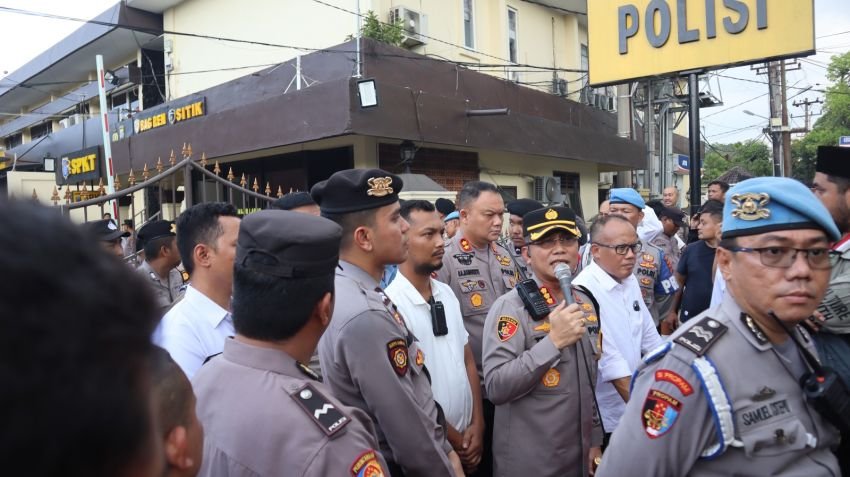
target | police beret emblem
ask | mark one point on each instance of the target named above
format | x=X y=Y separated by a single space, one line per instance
x=751 y=206
x=380 y=186
x=551 y=214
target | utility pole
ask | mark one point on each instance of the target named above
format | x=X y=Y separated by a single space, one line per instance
x=649 y=179
x=786 y=130
x=775 y=96
x=805 y=103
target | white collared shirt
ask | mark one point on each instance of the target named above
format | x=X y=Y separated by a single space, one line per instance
x=193 y=330
x=444 y=355
x=627 y=334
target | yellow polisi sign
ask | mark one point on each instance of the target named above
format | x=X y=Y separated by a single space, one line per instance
x=632 y=39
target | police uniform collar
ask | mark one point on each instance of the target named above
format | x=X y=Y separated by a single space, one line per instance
x=747 y=326
x=264 y=359
x=350 y=270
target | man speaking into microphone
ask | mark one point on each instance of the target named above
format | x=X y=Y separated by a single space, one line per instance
x=539 y=361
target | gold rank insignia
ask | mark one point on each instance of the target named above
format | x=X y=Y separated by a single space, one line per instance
x=544 y=327
x=551 y=214
x=751 y=206
x=547 y=296
x=380 y=186
x=464 y=245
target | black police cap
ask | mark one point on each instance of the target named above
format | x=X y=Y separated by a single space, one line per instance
x=540 y=222
x=353 y=190
x=444 y=206
x=521 y=207
x=287 y=244
x=156 y=229
x=293 y=200
x=104 y=230
x=833 y=161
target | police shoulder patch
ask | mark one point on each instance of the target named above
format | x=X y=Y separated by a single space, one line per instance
x=367 y=465
x=660 y=411
x=507 y=327
x=324 y=414
x=702 y=335
x=397 y=352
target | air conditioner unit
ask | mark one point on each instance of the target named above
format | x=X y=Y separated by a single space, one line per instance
x=75 y=119
x=64 y=123
x=547 y=189
x=413 y=23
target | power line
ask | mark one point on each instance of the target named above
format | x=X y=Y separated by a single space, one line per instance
x=734 y=106
x=834 y=34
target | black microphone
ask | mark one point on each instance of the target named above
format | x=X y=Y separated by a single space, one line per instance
x=565 y=278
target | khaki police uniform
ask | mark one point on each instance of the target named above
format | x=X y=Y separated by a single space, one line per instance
x=519 y=261
x=301 y=431
x=670 y=427
x=546 y=417
x=369 y=357
x=166 y=291
x=670 y=247
x=478 y=278
x=372 y=361
x=655 y=278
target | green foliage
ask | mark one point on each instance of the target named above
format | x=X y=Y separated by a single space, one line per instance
x=834 y=122
x=753 y=156
x=390 y=33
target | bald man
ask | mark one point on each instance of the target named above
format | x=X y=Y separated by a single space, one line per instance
x=670 y=197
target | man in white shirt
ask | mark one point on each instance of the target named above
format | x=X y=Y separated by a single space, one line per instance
x=628 y=330
x=195 y=328
x=442 y=336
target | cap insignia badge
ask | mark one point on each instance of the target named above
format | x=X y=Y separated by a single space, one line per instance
x=551 y=214
x=751 y=206
x=173 y=228
x=380 y=186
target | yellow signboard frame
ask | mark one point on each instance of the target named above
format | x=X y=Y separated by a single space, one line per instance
x=634 y=39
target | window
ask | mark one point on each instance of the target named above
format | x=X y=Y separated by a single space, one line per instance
x=512 y=28
x=570 y=182
x=41 y=130
x=14 y=140
x=468 y=23
x=124 y=102
x=585 y=65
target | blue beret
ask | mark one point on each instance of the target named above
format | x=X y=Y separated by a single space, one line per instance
x=627 y=196
x=765 y=204
x=452 y=216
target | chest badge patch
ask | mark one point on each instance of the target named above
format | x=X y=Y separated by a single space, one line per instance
x=397 y=352
x=420 y=357
x=646 y=281
x=463 y=258
x=660 y=411
x=507 y=327
x=552 y=378
x=476 y=300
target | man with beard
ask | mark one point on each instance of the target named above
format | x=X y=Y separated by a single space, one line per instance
x=369 y=357
x=832 y=186
x=540 y=370
x=479 y=271
x=433 y=314
x=724 y=396
x=517 y=209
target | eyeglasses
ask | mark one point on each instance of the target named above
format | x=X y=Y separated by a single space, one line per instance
x=551 y=241
x=623 y=248
x=784 y=257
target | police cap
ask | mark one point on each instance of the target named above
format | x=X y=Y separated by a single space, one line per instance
x=833 y=161
x=521 y=207
x=353 y=190
x=540 y=222
x=766 y=204
x=293 y=200
x=626 y=195
x=104 y=230
x=156 y=229
x=444 y=206
x=288 y=244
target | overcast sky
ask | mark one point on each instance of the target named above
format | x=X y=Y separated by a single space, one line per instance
x=27 y=36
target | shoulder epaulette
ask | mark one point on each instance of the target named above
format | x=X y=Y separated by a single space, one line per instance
x=321 y=411
x=700 y=337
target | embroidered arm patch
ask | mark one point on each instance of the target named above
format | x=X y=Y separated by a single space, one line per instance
x=397 y=352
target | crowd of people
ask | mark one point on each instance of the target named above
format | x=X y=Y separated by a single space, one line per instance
x=347 y=332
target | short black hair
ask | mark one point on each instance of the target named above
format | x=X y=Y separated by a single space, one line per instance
x=173 y=391
x=153 y=248
x=199 y=224
x=74 y=351
x=471 y=190
x=293 y=200
x=409 y=206
x=270 y=308
x=724 y=186
x=713 y=208
x=600 y=223
x=349 y=223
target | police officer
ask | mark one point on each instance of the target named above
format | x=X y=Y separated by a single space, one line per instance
x=723 y=396
x=259 y=390
x=541 y=373
x=105 y=232
x=369 y=357
x=517 y=209
x=657 y=282
x=157 y=238
x=479 y=271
